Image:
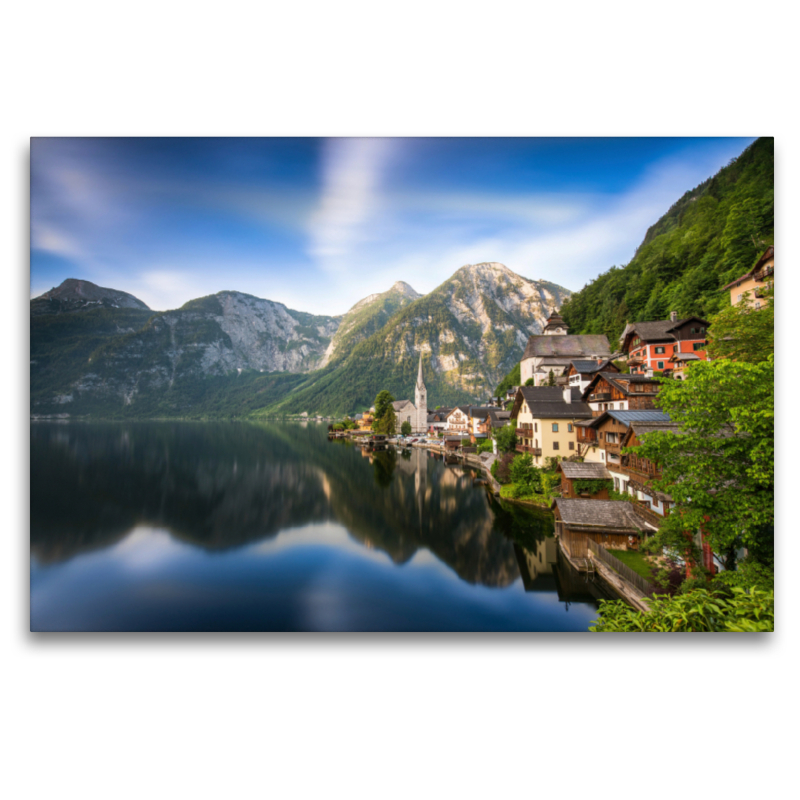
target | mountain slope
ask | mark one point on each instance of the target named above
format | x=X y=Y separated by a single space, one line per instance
x=470 y=330
x=79 y=295
x=365 y=318
x=710 y=236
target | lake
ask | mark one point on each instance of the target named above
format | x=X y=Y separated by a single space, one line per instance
x=212 y=526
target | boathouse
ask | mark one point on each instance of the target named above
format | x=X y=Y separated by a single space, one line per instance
x=582 y=479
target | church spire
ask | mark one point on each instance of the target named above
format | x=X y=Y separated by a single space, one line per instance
x=420 y=382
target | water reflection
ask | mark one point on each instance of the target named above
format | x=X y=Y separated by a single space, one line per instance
x=108 y=497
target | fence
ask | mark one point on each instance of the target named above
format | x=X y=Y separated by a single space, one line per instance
x=624 y=570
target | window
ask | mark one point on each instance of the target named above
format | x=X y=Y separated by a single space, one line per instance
x=569 y=427
x=555 y=427
x=536 y=427
x=699 y=345
x=660 y=351
x=555 y=445
x=571 y=445
x=661 y=365
x=674 y=348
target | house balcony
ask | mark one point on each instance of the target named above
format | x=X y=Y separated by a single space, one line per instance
x=524 y=432
x=590 y=440
x=764 y=273
x=534 y=451
x=612 y=447
x=599 y=397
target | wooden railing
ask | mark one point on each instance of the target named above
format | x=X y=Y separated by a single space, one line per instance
x=601 y=554
x=526 y=432
x=600 y=397
x=648 y=513
x=534 y=451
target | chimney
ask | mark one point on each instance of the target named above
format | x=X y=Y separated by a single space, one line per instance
x=567 y=394
x=673 y=316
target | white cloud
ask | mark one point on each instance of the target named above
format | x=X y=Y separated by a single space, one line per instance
x=350 y=197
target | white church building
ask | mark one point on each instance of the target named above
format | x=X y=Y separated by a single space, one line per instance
x=415 y=413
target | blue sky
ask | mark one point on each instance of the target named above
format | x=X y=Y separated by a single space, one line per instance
x=318 y=224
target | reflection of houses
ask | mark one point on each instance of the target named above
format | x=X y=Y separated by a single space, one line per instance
x=610 y=523
x=554 y=350
x=649 y=345
x=752 y=285
x=536 y=565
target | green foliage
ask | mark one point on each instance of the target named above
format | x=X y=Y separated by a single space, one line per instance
x=739 y=610
x=512 y=379
x=749 y=572
x=405 y=428
x=720 y=469
x=506 y=438
x=744 y=332
x=529 y=382
x=591 y=487
x=551 y=378
x=383 y=401
x=709 y=237
x=485 y=446
x=385 y=419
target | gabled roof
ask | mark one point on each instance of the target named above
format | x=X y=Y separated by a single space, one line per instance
x=499 y=418
x=590 y=367
x=599 y=515
x=765 y=256
x=548 y=394
x=399 y=405
x=628 y=417
x=679 y=356
x=479 y=412
x=571 y=345
x=657 y=330
x=585 y=470
x=618 y=380
x=547 y=402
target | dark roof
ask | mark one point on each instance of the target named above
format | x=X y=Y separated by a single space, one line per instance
x=499 y=418
x=765 y=256
x=618 y=379
x=561 y=410
x=399 y=405
x=640 y=428
x=586 y=470
x=480 y=412
x=680 y=356
x=598 y=515
x=568 y=345
x=545 y=394
x=589 y=366
x=659 y=330
x=629 y=417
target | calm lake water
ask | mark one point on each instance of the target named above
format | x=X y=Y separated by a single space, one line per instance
x=271 y=527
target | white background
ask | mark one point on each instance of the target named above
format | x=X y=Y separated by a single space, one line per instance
x=119 y=716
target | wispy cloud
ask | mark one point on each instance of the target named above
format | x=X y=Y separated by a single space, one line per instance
x=352 y=173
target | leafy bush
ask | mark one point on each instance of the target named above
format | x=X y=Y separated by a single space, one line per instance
x=739 y=610
x=486 y=446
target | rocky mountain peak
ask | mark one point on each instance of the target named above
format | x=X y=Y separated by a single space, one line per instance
x=74 y=294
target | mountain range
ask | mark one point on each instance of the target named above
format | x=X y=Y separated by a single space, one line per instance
x=102 y=352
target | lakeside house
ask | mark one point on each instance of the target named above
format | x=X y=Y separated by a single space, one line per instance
x=573 y=472
x=458 y=420
x=649 y=345
x=610 y=523
x=546 y=419
x=752 y=285
x=554 y=350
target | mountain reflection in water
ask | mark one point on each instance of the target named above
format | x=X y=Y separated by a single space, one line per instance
x=238 y=526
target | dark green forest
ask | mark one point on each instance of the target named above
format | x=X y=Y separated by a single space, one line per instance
x=709 y=237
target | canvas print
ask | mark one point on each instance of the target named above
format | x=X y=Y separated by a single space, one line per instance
x=402 y=384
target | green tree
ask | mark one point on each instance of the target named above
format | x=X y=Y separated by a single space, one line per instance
x=383 y=400
x=386 y=424
x=529 y=382
x=738 y=610
x=720 y=468
x=551 y=379
x=405 y=428
x=744 y=332
x=506 y=438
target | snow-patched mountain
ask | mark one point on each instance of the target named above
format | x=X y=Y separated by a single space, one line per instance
x=366 y=317
x=470 y=330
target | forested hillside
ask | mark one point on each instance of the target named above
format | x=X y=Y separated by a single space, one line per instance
x=709 y=237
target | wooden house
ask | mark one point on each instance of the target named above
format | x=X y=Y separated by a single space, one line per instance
x=609 y=391
x=575 y=473
x=610 y=523
x=581 y=371
x=650 y=344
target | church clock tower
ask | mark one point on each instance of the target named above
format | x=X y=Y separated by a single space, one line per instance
x=421 y=402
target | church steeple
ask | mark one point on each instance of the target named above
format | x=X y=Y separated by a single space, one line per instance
x=421 y=401
x=420 y=381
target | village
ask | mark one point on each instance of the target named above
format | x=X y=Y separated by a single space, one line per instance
x=572 y=430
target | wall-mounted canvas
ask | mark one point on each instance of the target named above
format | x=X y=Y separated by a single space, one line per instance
x=414 y=384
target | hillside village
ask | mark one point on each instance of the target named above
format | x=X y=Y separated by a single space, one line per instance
x=575 y=430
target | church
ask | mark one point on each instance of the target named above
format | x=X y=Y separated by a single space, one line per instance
x=415 y=413
x=554 y=349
